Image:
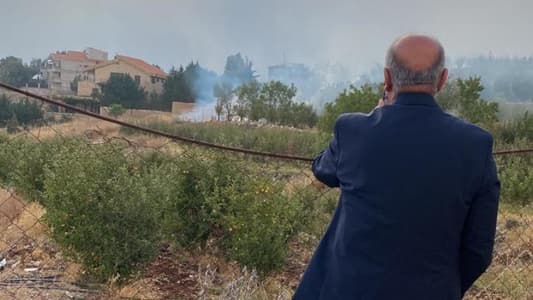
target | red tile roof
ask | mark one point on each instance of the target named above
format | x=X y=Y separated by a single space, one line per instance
x=71 y=56
x=144 y=66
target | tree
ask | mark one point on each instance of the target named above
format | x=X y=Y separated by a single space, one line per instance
x=354 y=99
x=277 y=97
x=5 y=109
x=24 y=112
x=201 y=81
x=303 y=114
x=224 y=94
x=247 y=97
x=14 y=72
x=238 y=70
x=448 y=97
x=273 y=101
x=122 y=89
x=176 y=87
x=472 y=107
x=27 y=111
x=219 y=108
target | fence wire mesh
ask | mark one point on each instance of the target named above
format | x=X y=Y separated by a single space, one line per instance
x=91 y=208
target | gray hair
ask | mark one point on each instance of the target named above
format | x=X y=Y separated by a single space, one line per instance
x=403 y=76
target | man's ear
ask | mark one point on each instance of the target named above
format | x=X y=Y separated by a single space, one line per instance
x=388 y=80
x=442 y=80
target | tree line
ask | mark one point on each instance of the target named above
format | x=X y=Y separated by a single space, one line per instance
x=18 y=112
x=272 y=101
x=15 y=72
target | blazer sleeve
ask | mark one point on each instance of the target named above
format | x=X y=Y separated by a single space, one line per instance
x=325 y=164
x=477 y=239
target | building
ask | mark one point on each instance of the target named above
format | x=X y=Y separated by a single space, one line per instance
x=61 y=68
x=148 y=76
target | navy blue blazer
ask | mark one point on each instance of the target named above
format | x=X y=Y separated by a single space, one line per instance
x=417 y=213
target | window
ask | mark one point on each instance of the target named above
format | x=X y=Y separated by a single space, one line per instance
x=138 y=79
x=153 y=80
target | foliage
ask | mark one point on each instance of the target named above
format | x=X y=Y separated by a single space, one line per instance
x=448 y=97
x=463 y=97
x=516 y=175
x=111 y=211
x=274 y=102
x=238 y=70
x=248 y=95
x=14 y=72
x=276 y=98
x=99 y=210
x=270 y=139
x=116 y=110
x=122 y=89
x=224 y=95
x=251 y=215
x=190 y=84
x=22 y=112
x=201 y=81
x=259 y=220
x=362 y=99
x=177 y=87
x=516 y=130
x=22 y=165
x=471 y=106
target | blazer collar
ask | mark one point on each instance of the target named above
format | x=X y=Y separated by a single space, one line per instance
x=413 y=98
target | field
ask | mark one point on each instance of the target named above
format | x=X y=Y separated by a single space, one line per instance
x=108 y=212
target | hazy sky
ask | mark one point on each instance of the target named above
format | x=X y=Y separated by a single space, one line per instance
x=355 y=33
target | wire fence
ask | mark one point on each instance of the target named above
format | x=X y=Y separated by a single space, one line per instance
x=101 y=207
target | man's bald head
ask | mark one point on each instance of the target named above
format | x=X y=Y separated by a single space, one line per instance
x=414 y=60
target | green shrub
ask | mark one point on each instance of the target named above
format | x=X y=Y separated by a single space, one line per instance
x=100 y=211
x=511 y=132
x=116 y=110
x=270 y=139
x=22 y=163
x=185 y=213
x=516 y=176
x=258 y=222
x=212 y=196
x=318 y=206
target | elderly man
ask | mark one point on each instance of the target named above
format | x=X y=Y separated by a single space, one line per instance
x=419 y=192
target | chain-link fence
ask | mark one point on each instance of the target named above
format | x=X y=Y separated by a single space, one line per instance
x=94 y=208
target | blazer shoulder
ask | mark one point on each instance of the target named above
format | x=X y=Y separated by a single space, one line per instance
x=472 y=131
x=347 y=119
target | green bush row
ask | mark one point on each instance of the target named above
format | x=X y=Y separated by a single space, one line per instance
x=111 y=211
x=270 y=139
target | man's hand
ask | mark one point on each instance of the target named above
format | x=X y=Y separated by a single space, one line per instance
x=381 y=103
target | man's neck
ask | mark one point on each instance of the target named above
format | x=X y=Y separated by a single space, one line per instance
x=420 y=88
